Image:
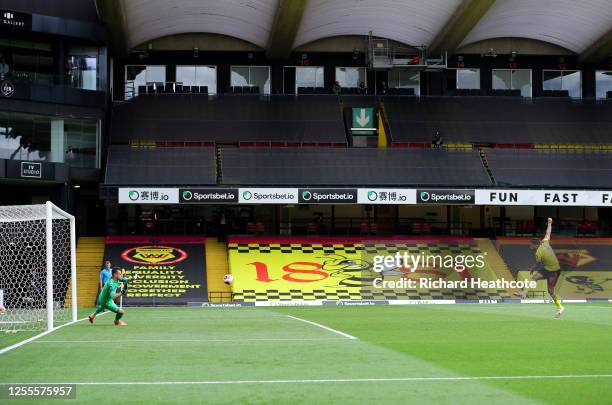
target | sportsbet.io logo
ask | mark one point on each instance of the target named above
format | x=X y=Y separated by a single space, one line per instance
x=328 y=196
x=460 y=197
x=154 y=254
x=247 y=195
x=133 y=195
x=208 y=195
x=372 y=195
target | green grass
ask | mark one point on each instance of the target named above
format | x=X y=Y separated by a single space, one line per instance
x=257 y=344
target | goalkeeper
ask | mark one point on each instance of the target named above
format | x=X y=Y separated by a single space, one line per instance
x=108 y=295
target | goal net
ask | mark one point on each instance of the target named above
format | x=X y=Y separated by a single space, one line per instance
x=37 y=268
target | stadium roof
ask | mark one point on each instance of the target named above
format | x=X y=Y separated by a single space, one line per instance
x=279 y=26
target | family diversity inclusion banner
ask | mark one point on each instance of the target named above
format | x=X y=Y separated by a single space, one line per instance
x=168 y=270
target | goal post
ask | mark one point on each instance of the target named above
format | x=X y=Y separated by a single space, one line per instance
x=37 y=267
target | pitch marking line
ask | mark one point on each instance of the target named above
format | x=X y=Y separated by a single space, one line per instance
x=331 y=380
x=318 y=325
x=190 y=340
x=33 y=338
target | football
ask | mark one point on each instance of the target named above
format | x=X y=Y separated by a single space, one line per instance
x=228 y=279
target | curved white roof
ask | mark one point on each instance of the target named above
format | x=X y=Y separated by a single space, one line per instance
x=249 y=20
x=571 y=24
x=415 y=22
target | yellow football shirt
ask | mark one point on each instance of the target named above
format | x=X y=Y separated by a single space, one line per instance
x=546 y=255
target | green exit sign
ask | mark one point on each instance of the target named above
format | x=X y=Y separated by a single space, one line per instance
x=363 y=121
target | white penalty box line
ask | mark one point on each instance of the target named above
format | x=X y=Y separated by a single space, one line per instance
x=331 y=380
x=128 y=341
x=327 y=328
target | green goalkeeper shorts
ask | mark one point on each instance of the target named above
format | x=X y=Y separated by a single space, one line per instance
x=111 y=306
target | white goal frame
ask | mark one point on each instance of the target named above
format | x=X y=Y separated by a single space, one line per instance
x=50 y=212
x=50 y=208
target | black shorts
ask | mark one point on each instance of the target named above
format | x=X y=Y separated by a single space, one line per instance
x=552 y=277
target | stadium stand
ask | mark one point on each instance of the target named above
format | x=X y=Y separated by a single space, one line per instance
x=532 y=167
x=129 y=165
x=229 y=118
x=494 y=120
x=330 y=166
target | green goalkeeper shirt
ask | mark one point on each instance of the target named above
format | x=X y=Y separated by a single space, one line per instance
x=110 y=289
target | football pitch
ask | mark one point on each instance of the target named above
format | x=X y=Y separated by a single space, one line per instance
x=443 y=354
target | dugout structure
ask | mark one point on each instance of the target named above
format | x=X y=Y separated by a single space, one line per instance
x=37 y=268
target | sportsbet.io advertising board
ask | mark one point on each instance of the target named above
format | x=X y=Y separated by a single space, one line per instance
x=169 y=270
x=399 y=196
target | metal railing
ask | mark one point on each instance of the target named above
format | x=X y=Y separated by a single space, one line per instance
x=77 y=79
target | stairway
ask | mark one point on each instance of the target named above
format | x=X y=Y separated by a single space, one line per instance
x=216 y=267
x=90 y=257
x=495 y=260
x=218 y=163
x=485 y=163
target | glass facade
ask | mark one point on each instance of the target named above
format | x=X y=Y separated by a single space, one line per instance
x=256 y=76
x=82 y=67
x=49 y=139
x=570 y=80
x=398 y=79
x=516 y=79
x=141 y=75
x=198 y=76
x=603 y=83
x=351 y=77
x=309 y=77
x=468 y=79
x=37 y=62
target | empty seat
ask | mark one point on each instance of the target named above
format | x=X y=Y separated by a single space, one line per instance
x=528 y=167
x=335 y=167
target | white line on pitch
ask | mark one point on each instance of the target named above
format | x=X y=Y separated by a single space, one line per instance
x=33 y=338
x=189 y=340
x=346 y=335
x=330 y=380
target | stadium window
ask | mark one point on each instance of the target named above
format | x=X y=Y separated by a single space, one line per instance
x=404 y=79
x=141 y=75
x=603 y=83
x=468 y=79
x=54 y=139
x=253 y=76
x=311 y=76
x=513 y=79
x=570 y=80
x=198 y=76
x=82 y=65
x=351 y=77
